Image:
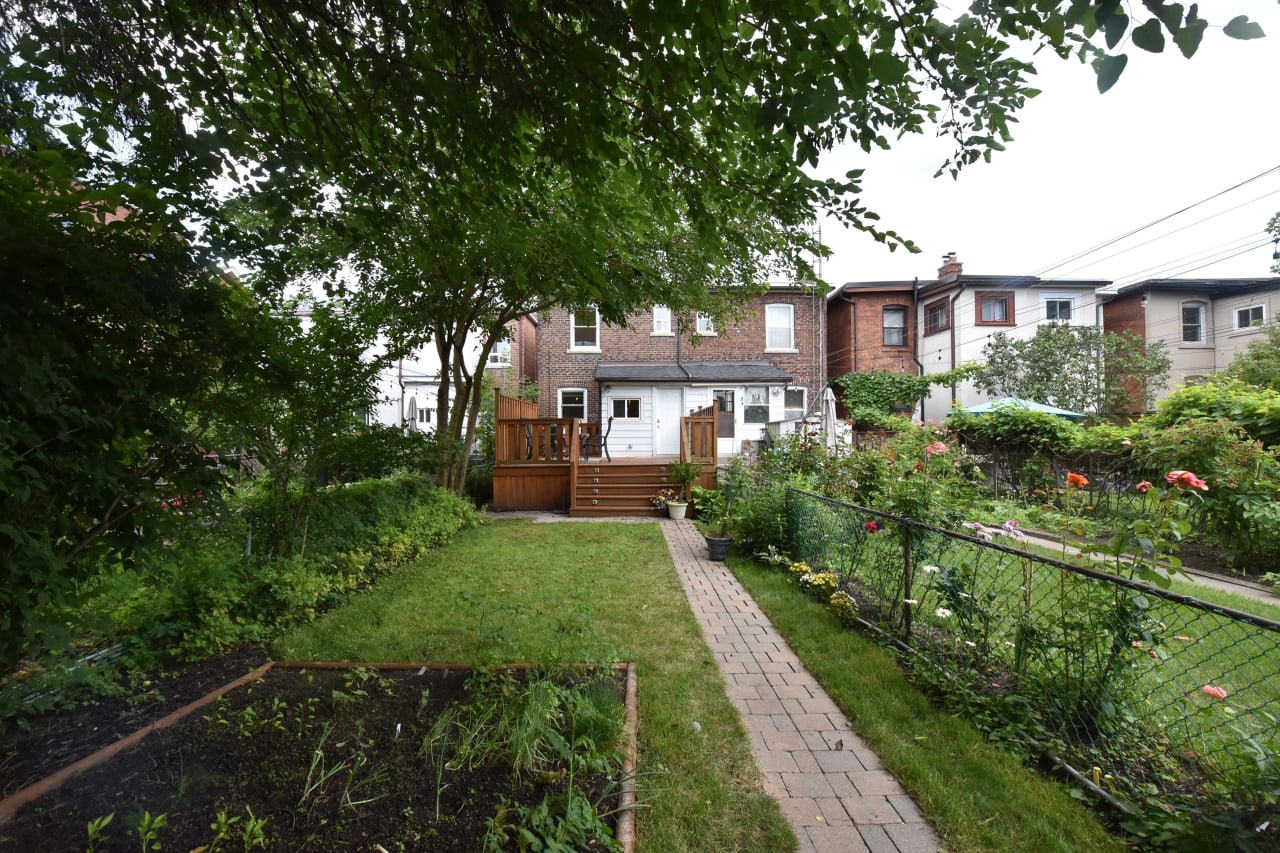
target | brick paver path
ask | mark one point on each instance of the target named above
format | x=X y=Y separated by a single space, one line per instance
x=830 y=786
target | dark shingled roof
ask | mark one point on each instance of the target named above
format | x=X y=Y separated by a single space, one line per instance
x=690 y=371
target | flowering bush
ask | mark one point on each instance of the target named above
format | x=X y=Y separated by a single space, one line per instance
x=844 y=607
x=819 y=584
x=1139 y=544
x=664 y=497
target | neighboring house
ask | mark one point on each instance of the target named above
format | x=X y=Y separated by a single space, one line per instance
x=409 y=388
x=924 y=327
x=1204 y=322
x=871 y=326
x=766 y=369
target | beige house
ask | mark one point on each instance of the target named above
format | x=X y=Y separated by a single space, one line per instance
x=1204 y=322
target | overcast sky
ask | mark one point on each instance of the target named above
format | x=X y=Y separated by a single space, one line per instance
x=1084 y=169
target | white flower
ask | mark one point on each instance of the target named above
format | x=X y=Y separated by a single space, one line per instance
x=930 y=570
x=911 y=601
x=942 y=613
x=971 y=643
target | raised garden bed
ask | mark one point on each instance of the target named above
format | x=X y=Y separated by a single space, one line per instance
x=331 y=757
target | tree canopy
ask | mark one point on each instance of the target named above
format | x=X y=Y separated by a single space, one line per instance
x=1078 y=368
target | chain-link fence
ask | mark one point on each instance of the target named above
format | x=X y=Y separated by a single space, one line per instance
x=1142 y=694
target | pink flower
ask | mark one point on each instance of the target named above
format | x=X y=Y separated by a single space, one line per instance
x=1185 y=480
x=1215 y=692
x=1144 y=486
x=871 y=527
x=1184 y=639
x=936 y=449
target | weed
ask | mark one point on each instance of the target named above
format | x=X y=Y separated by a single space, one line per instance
x=148 y=830
x=96 y=832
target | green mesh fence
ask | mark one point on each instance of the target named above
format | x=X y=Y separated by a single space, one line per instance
x=1141 y=693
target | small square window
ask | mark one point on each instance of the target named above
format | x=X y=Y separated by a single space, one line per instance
x=705 y=325
x=1058 y=309
x=755 y=409
x=1251 y=316
x=793 y=403
x=500 y=355
x=573 y=403
x=626 y=408
x=584 y=329
x=994 y=309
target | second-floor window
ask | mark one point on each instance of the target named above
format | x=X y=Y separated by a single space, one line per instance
x=895 y=326
x=1193 y=322
x=1254 y=315
x=705 y=325
x=780 y=327
x=661 y=320
x=937 y=317
x=500 y=355
x=584 y=329
x=994 y=309
x=1058 y=308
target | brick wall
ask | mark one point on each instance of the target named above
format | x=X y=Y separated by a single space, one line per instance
x=1125 y=313
x=856 y=336
x=558 y=368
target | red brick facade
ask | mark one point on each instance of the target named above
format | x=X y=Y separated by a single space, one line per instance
x=559 y=367
x=1126 y=313
x=862 y=337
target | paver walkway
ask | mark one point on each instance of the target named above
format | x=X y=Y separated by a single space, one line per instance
x=830 y=785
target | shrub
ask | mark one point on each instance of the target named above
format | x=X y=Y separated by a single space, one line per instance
x=1254 y=410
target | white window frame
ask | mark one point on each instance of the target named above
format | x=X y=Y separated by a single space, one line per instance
x=779 y=317
x=586 y=398
x=755 y=397
x=1074 y=307
x=1261 y=309
x=792 y=413
x=626 y=401
x=500 y=354
x=705 y=325
x=662 y=321
x=900 y=330
x=574 y=346
x=1201 y=307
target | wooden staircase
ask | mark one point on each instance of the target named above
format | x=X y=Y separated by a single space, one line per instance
x=619 y=488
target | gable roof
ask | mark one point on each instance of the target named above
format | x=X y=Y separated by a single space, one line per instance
x=690 y=371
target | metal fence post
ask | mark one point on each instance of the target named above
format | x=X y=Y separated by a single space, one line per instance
x=906 y=578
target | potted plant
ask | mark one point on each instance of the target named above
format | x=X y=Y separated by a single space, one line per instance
x=671 y=501
x=684 y=473
x=717 y=510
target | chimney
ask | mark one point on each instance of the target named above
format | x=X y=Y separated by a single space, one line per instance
x=950 y=267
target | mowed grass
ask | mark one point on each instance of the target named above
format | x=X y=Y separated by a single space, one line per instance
x=555 y=593
x=978 y=797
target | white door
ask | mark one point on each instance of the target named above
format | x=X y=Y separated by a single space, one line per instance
x=667 y=408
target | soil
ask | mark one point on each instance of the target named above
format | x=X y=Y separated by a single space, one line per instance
x=263 y=752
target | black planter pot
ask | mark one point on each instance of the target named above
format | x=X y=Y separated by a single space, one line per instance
x=718 y=547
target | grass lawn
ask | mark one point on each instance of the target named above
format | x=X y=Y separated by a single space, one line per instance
x=977 y=796
x=515 y=591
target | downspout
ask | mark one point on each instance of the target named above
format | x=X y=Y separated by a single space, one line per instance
x=915 y=335
x=400 y=381
x=853 y=337
x=952 y=318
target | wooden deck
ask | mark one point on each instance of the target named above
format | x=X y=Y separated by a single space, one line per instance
x=539 y=465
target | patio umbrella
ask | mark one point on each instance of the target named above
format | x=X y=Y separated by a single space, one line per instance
x=830 y=422
x=1031 y=405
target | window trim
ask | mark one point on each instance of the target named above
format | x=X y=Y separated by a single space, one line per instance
x=586 y=399
x=885 y=327
x=804 y=402
x=705 y=326
x=747 y=405
x=1251 y=324
x=945 y=304
x=1072 y=298
x=1005 y=296
x=790 y=326
x=1203 y=308
x=497 y=351
x=614 y=401
x=669 y=330
x=574 y=346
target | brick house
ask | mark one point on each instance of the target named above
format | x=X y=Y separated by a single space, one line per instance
x=767 y=368
x=870 y=326
x=924 y=327
x=1204 y=322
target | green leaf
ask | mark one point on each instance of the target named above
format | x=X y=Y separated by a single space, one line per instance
x=1242 y=28
x=1149 y=37
x=1109 y=68
x=1114 y=28
x=1188 y=38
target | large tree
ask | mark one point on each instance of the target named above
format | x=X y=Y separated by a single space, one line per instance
x=1079 y=368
